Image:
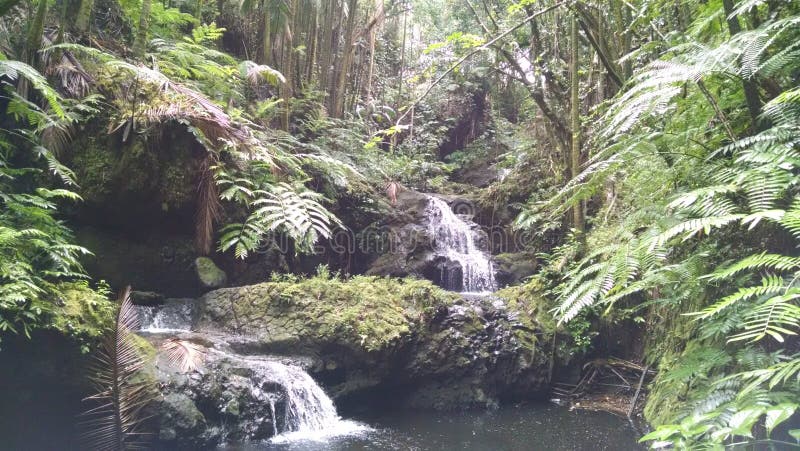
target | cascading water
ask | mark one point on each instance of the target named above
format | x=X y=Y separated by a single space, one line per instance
x=308 y=408
x=173 y=316
x=454 y=239
x=293 y=402
x=299 y=407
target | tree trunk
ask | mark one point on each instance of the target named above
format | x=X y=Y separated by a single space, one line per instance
x=750 y=86
x=331 y=80
x=575 y=148
x=33 y=41
x=266 y=35
x=288 y=62
x=346 y=60
x=402 y=65
x=84 y=19
x=140 y=44
x=325 y=47
x=313 y=35
x=373 y=33
x=198 y=11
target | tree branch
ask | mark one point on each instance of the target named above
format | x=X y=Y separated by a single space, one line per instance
x=473 y=53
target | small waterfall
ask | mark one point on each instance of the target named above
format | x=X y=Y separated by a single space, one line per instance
x=300 y=408
x=173 y=316
x=454 y=239
x=308 y=408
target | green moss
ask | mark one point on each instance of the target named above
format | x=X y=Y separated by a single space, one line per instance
x=145 y=349
x=530 y=300
x=209 y=273
x=95 y=167
x=176 y=186
x=370 y=311
x=81 y=311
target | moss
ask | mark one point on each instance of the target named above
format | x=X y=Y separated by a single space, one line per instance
x=145 y=349
x=176 y=186
x=372 y=312
x=95 y=168
x=530 y=300
x=210 y=275
x=81 y=311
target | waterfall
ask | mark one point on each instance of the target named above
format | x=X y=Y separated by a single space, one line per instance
x=173 y=316
x=298 y=408
x=454 y=239
x=308 y=408
x=307 y=411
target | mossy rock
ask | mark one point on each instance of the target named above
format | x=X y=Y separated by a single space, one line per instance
x=81 y=311
x=371 y=333
x=514 y=268
x=180 y=420
x=209 y=273
x=368 y=312
x=531 y=302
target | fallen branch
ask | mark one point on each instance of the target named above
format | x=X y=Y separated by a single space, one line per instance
x=638 y=390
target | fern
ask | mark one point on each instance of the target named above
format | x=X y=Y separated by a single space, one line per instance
x=675 y=125
x=280 y=209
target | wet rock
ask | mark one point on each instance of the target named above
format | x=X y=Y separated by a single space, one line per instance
x=415 y=240
x=513 y=268
x=147 y=298
x=477 y=345
x=180 y=422
x=209 y=274
x=223 y=401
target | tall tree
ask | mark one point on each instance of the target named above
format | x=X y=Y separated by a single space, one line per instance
x=33 y=41
x=140 y=43
x=749 y=85
x=575 y=126
x=346 y=60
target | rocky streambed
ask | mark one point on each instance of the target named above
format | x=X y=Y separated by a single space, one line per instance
x=368 y=340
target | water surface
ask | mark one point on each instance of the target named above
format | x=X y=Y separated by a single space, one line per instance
x=532 y=427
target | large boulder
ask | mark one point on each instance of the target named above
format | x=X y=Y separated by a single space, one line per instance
x=226 y=400
x=374 y=334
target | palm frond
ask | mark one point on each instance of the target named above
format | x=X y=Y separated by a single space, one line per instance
x=183 y=354
x=115 y=423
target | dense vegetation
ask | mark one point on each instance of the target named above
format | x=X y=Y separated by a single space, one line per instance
x=648 y=152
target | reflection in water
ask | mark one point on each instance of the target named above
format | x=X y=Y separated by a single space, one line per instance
x=533 y=427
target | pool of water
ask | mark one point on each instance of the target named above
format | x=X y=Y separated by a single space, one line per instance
x=532 y=427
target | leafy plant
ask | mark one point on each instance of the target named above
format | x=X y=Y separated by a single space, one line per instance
x=279 y=209
x=670 y=135
x=115 y=424
x=36 y=250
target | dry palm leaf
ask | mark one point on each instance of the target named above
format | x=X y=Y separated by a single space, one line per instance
x=185 y=355
x=116 y=421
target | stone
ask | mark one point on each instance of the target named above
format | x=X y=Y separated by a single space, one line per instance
x=514 y=268
x=180 y=422
x=209 y=273
x=359 y=340
x=147 y=298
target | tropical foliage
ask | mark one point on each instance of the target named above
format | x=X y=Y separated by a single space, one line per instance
x=685 y=129
x=646 y=152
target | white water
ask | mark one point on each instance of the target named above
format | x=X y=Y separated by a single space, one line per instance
x=300 y=409
x=174 y=316
x=455 y=240
x=306 y=413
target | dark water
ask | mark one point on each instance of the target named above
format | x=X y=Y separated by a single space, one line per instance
x=534 y=427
